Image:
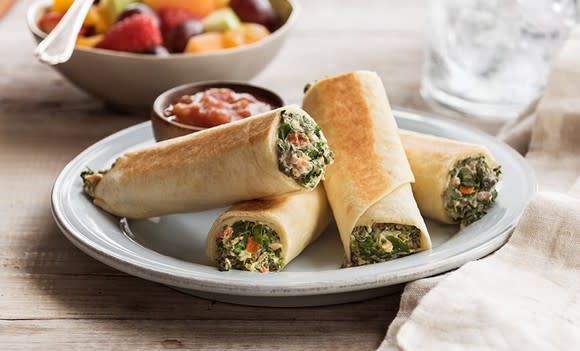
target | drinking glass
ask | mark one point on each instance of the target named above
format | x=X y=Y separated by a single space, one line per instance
x=492 y=58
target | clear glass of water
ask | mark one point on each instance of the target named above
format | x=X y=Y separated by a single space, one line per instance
x=492 y=58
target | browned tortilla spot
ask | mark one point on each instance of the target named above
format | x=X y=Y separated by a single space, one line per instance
x=171 y=153
x=359 y=143
x=261 y=204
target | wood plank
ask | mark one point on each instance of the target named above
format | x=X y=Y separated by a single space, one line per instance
x=118 y=334
x=59 y=296
x=400 y=72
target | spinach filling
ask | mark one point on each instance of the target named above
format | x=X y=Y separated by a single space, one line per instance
x=249 y=246
x=303 y=152
x=90 y=180
x=382 y=242
x=471 y=190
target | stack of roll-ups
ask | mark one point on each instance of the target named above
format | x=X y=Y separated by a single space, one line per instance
x=377 y=180
x=278 y=157
x=253 y=158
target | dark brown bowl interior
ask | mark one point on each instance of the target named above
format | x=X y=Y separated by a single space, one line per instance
x=164 y=129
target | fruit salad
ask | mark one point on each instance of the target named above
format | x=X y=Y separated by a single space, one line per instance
x=163 y=27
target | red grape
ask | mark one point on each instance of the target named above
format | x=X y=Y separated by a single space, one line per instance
x=177 y=39
x=255 y=11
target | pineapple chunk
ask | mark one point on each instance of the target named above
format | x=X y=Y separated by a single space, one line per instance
x=61 y=5
x=97 y=19
x=88 y=42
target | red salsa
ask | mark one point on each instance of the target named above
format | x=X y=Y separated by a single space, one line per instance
x=215 y=106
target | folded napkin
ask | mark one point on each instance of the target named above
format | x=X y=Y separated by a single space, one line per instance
x=525 y=296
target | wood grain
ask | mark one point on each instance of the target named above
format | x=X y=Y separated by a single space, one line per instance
x=119 y=334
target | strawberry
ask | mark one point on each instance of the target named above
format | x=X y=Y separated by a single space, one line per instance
x=133 y=34
x=86 y=31
x=173 y=16
x=49 y=20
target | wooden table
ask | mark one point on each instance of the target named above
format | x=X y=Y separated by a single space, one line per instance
x=52 y=296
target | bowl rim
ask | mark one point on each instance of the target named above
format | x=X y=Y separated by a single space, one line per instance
x=158 y=105
x=35 y=7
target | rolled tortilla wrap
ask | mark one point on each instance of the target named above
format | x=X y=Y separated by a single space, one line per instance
x=268 y=233
x=369 y=184
x=454 y=181
x=252 y=158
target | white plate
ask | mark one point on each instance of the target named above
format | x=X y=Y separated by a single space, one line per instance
x=170 y=249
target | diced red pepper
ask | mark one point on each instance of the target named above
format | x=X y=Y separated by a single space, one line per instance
x=466 y=190
x=252 y=245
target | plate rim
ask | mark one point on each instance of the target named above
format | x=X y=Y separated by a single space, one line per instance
x=201 y=281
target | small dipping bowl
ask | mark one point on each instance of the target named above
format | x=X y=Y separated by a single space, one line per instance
x=164 y=128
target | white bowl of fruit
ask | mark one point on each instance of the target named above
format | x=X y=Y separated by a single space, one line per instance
x=129 y=51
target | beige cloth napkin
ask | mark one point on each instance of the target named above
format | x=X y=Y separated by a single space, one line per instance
x=525 y=296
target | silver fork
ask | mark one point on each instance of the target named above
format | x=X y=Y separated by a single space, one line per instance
x=59 y=44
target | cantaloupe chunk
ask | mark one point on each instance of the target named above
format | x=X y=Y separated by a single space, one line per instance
x=255 y=32
x=221 y=3
x=207 y=42
x=247 y=33
x=234 y=38
x=200 y=8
